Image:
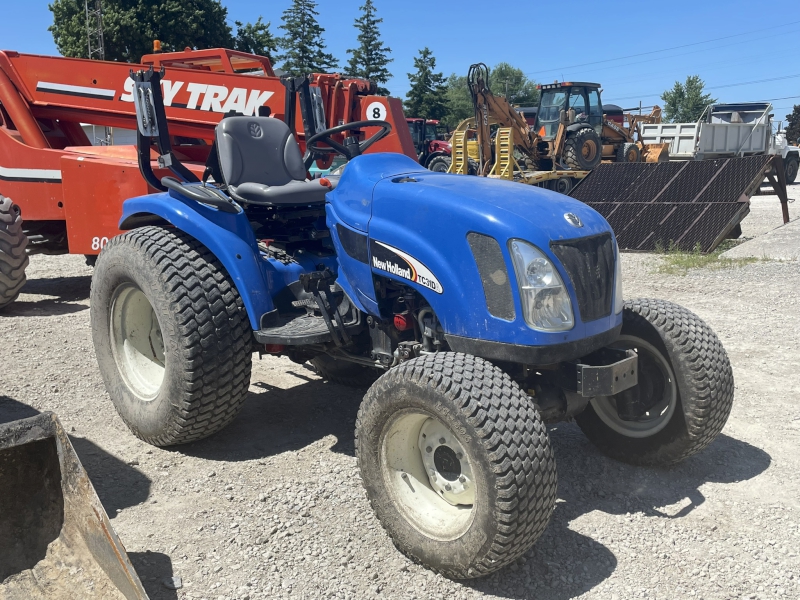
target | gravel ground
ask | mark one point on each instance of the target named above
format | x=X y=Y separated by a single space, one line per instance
x=272 y=507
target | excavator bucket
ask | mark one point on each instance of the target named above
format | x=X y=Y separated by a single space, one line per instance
x=655 y=153
x=56 y=541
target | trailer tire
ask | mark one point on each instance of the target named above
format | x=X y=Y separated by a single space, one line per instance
x=439 y=164
x=344 y=372
x=13 y=258
x=629 y=153
x=495 y=440
x=792 y=164
x=583 y=150
x=171 y=334
x=700 y=393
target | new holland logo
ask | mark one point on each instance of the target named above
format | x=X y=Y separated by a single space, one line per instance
x=254 y=129
x=573 y=219
x=391 y=260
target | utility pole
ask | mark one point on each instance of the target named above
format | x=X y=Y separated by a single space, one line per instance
x=97 y=51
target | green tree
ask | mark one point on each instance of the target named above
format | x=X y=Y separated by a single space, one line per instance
x=685 y=102
x=370 y=59
x=427 y=97
x=459 y=102
x=255 y=38
x=130 y=26
x=508 y=81
x=793 y=124
x=304 y=48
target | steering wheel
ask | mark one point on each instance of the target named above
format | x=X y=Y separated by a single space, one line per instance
x=350 y=149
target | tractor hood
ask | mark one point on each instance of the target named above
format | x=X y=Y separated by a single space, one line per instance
x=427 y=218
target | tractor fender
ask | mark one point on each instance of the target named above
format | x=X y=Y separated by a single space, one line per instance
x=228 y=236
x=578 y=126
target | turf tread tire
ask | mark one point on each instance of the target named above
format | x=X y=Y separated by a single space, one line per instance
x=13 y=258
x=507 y=426
x=705 y=386
x=211 y=330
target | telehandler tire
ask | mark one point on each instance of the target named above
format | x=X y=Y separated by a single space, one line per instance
x=583 y=150
x=456 y=463
x=13 y=259
x=344 y=372
x=684 y=377
x=171 y=334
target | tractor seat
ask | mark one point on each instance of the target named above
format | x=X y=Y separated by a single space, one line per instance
x=261 y=163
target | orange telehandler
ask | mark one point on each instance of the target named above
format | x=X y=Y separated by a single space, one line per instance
x=67 y=193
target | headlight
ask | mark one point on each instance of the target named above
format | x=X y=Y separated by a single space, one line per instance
x=545 y=301
x=618 y=301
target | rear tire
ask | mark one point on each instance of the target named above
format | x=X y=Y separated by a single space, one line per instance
x=439 y=164
x=479 y=490
x=344 y=372
x=696 y=386
x=583 y=150
x=629 y=153
x=791 y=167
x=13 y=259
x=171 y=335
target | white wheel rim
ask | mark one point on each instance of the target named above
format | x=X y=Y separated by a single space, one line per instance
x=137 y=342
x=431 y=481
x=660 y=414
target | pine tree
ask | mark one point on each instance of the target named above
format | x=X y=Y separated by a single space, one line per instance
x=684 y=103
x=369 y=60
x=303 y=43
x=427 y=97
x=793 y=124
x=255 y=38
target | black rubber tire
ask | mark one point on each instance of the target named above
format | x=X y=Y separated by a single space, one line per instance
x=629 y=153
x=573 y=150
x=563 y=185
x=791 y=167
x=344 y=372
x=206 y=334
x=704 y=380
x=439 y=164
x=13 y=259
x=501 y=430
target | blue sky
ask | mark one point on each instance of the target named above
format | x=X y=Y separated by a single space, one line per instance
x=744 y=50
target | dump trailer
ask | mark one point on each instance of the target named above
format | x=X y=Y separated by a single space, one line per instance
x=726 y=130
x=56 y=542
x=68 y=192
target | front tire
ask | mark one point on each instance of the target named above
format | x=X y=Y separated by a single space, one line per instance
x=583 y=150
x=685 y=380
x=629 y=153
x=439 y=164
x=456 y=463
x=13 y=259
x=171 y=335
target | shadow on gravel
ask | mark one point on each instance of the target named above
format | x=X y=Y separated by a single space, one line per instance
x=153 y=568
x=65 y=292
x=118 y=485
x=274 y=420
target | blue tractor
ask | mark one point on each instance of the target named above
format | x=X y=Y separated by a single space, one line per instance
x=474 y=310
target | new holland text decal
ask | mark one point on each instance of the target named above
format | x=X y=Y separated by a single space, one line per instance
x=394 y=261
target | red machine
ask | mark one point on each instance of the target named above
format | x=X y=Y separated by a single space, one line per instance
x=432 y=152
x=70 y=192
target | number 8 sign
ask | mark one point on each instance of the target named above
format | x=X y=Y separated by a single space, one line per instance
x=376 y=111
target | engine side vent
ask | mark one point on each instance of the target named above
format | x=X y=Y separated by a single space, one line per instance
x=494 y=275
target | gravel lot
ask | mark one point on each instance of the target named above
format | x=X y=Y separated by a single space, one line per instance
x=272 y=507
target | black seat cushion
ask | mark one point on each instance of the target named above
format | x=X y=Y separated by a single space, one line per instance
x=261 y=163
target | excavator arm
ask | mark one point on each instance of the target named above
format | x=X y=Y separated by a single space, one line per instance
x=491 y=109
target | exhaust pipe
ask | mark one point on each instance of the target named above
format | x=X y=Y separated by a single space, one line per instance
x=56 y=541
